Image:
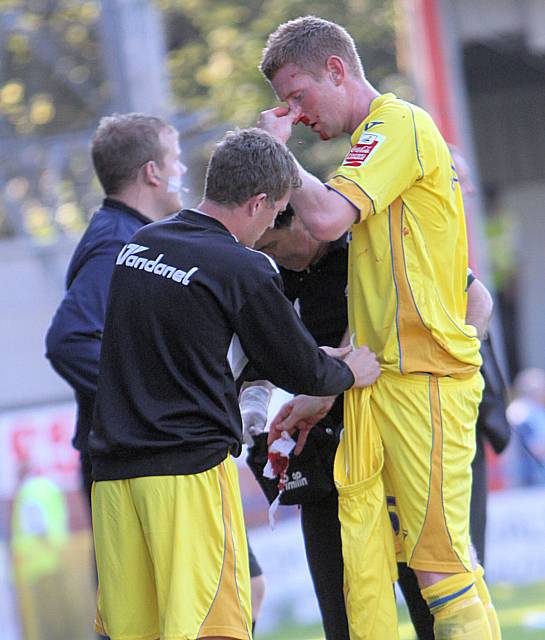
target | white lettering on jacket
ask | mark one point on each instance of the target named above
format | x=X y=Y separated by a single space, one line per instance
x=128 y=257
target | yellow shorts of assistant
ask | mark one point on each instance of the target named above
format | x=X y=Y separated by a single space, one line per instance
x=427 y=427
x=172 y=557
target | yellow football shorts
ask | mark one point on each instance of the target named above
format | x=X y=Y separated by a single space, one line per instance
x=427 y=427
x=172 y=557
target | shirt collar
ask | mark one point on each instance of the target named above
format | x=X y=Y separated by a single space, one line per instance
x=112 y=203
x=376 y=103
x=198 y=215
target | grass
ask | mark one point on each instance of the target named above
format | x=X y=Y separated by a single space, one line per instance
x=521 y=611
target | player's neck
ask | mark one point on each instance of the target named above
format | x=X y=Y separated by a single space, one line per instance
x=226 y=215
x=362 y=95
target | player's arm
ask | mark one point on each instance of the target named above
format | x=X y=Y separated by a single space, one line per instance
x=282 y=350
x=325 y=213
x=479 y=307
x=74 y=338
x=303 y=412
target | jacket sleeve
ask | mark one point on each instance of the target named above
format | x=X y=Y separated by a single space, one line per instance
x=281 y=349
x=74 y=338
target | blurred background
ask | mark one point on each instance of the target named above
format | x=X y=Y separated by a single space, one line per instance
x=477 y=65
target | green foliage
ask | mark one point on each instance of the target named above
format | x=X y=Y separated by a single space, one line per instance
x=51 y=76
x=52 y=83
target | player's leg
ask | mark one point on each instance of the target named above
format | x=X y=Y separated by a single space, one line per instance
x=418 y=609
x=484 y=595
x=322 y=536
x=126 y=598
x=427 y=425
x=478 y=527
x=257 y=584
x=455 y=599
x=195 y=532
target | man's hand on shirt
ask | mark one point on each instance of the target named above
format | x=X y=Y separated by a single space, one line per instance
x=299 y=414
x=337 y=352
x=364 y=365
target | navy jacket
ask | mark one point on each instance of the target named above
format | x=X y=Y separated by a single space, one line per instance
x=74 y=338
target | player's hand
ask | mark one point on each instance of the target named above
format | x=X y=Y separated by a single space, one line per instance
x=299 y=414
x=337 y=352
x=278 y=122
x=364 y=365
x=254 y=403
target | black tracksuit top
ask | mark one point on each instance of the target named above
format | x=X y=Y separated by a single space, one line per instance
x=189 y=306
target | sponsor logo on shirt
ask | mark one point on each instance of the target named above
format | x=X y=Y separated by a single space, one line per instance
x=364 y=149
x=297 y=481
x=129 y=257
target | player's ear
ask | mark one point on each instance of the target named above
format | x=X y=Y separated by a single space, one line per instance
x=336 y=69
x=256 y=202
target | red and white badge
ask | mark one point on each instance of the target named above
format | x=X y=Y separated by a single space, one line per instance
x=363 y=149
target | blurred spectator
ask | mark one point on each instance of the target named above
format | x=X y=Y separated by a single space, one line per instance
x=526 y=413
x=38 y=542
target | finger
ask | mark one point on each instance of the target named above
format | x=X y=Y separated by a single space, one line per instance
x=273 y=435
x=337 y=352
x=280 y=112
x=284 y=411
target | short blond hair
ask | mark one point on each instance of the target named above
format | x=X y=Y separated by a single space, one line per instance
x=308 y=42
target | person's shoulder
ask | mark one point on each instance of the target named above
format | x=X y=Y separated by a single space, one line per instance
x=398 y=112
x=390 y=106
x=246 y=268
x=108 y=224
x=260 y=261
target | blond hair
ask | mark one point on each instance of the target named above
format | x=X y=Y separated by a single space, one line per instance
x=308 y=42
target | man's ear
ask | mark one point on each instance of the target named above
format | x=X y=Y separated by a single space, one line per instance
x=336 y=69
x=149 y=173
x=255 y=203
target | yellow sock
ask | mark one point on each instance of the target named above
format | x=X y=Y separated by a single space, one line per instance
x=484 y=596
x=458 y=611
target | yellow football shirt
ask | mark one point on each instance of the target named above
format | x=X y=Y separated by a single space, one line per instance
x=408 y=252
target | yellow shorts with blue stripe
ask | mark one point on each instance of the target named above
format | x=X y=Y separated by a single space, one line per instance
x=172 y=557
x=427 y=427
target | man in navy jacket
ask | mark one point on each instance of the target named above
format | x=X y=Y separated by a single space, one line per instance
x=137 y=161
